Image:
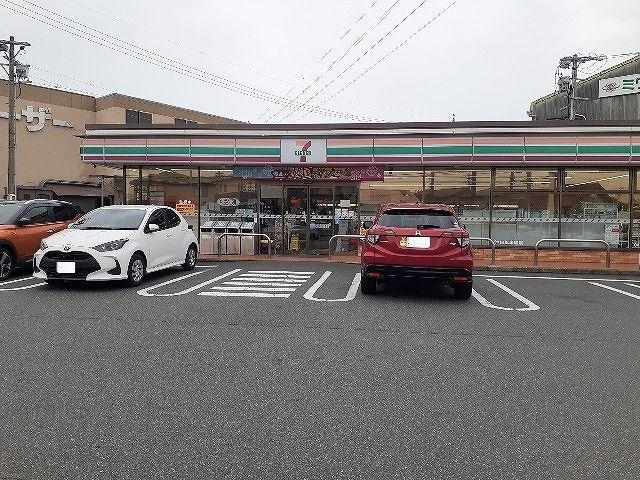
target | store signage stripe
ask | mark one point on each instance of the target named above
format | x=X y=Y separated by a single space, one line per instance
x=448 y=150
x=349 y=151
x=246 y=294
x=392 y=150
x=212 y=150
x=604 y=149
x=550 y=149
x=90 y=150
x=164 y=150
x=258 y=151
x=498 y=149
x=129 y=150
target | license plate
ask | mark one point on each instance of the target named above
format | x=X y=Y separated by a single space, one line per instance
x=66 y=267
x=418 y=242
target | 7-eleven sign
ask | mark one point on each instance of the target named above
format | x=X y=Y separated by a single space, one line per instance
x=303 y=151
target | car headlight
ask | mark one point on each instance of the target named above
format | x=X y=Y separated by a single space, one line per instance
x=110 y=246
x=43 y=245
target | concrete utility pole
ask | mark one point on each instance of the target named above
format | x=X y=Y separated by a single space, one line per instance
x=573 y=62
x=16 y=72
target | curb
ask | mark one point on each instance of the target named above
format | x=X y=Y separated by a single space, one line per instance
x=478 y=268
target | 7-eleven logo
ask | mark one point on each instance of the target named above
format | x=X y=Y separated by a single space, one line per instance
x=303 y=149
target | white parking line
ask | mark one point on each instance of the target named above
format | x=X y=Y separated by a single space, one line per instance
x=530 y=306
x=525 y=277
x=246 y=294
x=351 y=294
x=14 y=289
x=261 y=284
x=145 y=291
x=616 y=290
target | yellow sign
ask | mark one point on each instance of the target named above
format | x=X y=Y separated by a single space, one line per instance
x=186 y=207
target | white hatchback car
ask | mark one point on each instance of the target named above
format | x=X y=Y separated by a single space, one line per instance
x=119 y=242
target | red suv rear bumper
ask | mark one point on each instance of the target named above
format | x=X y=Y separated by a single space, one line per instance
x=446 y=274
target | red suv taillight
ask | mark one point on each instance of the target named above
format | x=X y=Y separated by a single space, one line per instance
x=463 y=241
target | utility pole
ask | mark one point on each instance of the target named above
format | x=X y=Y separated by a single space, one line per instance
x=573 y=62
x=16 y=72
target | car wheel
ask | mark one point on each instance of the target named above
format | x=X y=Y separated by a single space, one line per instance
x=136 y=271
x=462 y=291
x=190 y=258
x=7 y=264
x=368 y=285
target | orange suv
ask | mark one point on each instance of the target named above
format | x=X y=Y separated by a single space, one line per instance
x=23 y=225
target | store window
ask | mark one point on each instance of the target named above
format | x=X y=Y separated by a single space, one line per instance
x=399 y=186
x=467 y=191
x=525 y=206
x=596 y=206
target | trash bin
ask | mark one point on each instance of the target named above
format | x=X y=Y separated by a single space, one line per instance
x=248 y=244
x=206 y=237
x=219 y=227
x=232 y=243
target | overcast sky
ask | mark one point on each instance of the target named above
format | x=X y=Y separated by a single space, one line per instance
x=477 y=59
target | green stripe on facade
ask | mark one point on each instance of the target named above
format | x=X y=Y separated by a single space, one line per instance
x=604 y=149
x=258 y=151
x=447 y=150
x=498 y=149
x=550 y=149
x=91 y=150
x=355 y=151
x=142 y=150
x=397 y=150
x=635 y=148
x=212 y=150
x=167 y=150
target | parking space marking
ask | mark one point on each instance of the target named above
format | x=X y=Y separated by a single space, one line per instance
x=145 y=291
x=14 y=289
x=539 y=277
x=351 y=294
x=617 y=290
x=261 y=284
x=530 y=306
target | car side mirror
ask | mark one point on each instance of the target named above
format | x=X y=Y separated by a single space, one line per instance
x=367 y=224
x=152 y=227
x=23 y=222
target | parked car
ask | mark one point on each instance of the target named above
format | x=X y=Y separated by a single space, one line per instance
x=417 y=241
x=23 y=225
x=119 y=242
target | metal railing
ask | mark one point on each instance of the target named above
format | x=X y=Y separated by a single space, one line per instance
x=359 y=237
x=572 y=240
x=242 y=235
x=493 y=246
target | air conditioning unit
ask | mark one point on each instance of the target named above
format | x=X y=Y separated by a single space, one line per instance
x=22 y=71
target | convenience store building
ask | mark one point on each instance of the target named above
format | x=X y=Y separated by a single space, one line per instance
x=515 y=182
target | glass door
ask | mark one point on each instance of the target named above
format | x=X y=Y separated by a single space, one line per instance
x=295 y=231
x=321 y=219
x=346 y=218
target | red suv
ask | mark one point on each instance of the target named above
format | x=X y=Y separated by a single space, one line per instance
x=417 y=240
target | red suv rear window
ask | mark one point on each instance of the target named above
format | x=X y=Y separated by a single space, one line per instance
x=411 y=218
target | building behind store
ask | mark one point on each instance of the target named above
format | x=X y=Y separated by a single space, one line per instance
x=49 y=122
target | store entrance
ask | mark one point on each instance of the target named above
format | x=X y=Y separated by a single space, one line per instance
x=302 y=218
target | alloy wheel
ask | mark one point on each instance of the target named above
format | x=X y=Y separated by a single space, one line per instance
x=137 y=270
x=6 y=264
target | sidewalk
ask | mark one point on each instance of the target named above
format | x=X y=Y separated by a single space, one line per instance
x=507 y=259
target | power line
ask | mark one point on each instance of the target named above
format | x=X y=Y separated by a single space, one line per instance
x=396 y=48
x=375 y=45
x=177 y=44
x=346 y=52
x=164 y=62
x=328 y=52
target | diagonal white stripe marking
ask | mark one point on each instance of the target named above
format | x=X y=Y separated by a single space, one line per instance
x=529 y=304
x=246 y=294
x=351 y=294
x=145 y=292
x=269 y=279
x=18 y=280
x=255 y=289
x=483 y=301
x=261 y=284
x=278 y=275
x=281 y=271
x=632 y=285
x=617 y=290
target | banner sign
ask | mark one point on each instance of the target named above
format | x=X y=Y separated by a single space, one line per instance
x=186 y=207
x=611 y=87
x=340 y=174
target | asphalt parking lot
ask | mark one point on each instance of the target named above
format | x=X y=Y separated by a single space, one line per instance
x=285 y=370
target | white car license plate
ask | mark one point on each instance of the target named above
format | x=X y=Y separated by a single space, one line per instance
x=418 y=242
x=66 y=267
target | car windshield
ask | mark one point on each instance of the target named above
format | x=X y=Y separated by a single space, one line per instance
x=411 y=218
x=8 y=212
x=111 y=219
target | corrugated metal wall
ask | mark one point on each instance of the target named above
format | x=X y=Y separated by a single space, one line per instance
x=622 y=107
